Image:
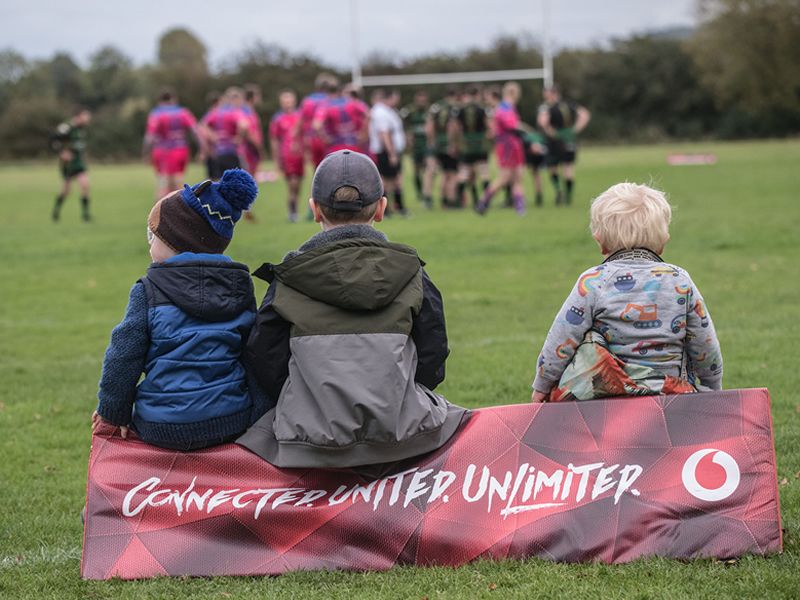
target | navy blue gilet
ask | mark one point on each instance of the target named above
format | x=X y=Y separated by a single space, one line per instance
x=195 y=389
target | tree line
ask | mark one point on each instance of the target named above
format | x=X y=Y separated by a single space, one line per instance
x=736 y=75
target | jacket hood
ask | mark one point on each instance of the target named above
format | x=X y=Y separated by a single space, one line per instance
x=355 y=274
x=209 y=290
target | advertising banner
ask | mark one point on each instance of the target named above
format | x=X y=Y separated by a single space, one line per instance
x=612 y=480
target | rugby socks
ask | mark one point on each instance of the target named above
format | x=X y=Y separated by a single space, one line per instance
x=418 y=184
x=398 y=201
x=57 y=207
x=519 y=204
x=428 y=202
x=568 y=185
x=509 y=197
x=557 y=185
x=85 y=208
x=539 y=199
x=474 y=191
x=483 y=205
x=460 y=192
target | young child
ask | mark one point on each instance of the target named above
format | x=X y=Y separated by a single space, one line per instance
x=186 y=325
x=350 y=338
x=633 y=325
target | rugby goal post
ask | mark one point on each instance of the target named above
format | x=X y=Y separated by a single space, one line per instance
x=545 y=72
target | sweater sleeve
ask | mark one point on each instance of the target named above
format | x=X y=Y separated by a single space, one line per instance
x=429 y=333
x=568 y=329
x=124 y=361
x=704 y=353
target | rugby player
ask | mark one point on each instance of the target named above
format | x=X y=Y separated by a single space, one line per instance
x=342 y=122
x=387 y=141
x=166 y=144
x=69 y=141
x=414 y=117
x=535 y=156
x=224 y=129
x=509 y=150
x=442 y=130
x=472 y=121
x=286 y=146
x=313 y=145
x=253 y=143
x=205 y=155
x=562 y=121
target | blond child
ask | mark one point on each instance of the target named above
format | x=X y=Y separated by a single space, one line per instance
x=633 y=325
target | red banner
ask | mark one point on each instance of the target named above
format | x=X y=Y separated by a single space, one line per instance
x=607 y=480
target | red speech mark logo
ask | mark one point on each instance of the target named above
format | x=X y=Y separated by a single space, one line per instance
x=689 y=475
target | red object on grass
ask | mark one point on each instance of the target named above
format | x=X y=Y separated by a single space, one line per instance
x=683 y=476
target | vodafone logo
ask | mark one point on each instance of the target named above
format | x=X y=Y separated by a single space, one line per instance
x=690 y=473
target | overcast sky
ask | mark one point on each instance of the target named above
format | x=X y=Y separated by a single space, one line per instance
x=37 y=28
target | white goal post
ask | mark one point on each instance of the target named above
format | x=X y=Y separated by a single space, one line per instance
x=545 y=72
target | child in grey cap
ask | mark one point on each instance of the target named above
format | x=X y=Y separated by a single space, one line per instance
x=350 y=340
x=633 y=325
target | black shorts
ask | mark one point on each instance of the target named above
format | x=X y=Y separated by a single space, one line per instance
x=219 y=164
x=72 y=169
x=534 y=159
x=448 y=163
x=559 y=152
x=470 y=158
x=386 y=168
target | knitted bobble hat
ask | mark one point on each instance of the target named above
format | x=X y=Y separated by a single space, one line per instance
x=200 y=218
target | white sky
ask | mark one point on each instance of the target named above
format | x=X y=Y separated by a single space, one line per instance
x=37 y=28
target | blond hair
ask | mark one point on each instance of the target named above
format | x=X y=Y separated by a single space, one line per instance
x=630 y=215
x=512 y=88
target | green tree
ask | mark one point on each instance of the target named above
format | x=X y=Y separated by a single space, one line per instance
x=183 y=66
x=13 y=67
x=111 y=77
x=748 y=54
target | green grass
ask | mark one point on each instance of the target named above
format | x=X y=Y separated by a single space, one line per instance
x=65 y=286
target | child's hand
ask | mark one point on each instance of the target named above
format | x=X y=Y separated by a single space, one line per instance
x=97 y=419
x=540 y=397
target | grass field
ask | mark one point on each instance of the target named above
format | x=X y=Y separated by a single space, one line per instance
x=736 y=229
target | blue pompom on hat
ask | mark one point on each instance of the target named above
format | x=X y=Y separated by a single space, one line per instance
x=200 y=218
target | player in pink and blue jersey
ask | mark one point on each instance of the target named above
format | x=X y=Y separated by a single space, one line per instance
x=509 y=149
x=224 y=128
x=284 y=138
x=166 y=142
x=253 y=144
x=343 y=123
x=313 y=144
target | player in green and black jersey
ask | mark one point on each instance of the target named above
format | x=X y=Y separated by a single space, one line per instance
x=442 y=131
x=69 y=141
x=414 y=117
x=562 y=121
x=535 y=156
x=474 y=145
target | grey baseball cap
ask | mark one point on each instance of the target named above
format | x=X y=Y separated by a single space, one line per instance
x=347 y=168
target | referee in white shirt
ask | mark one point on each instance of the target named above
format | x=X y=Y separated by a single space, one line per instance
x=387 y=141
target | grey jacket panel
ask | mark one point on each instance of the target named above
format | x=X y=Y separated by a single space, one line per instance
x=260 y=439
x=344 y=389
x=363 y=409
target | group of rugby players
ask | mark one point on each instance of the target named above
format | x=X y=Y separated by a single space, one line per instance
x=455 y=135
x=451 y=138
